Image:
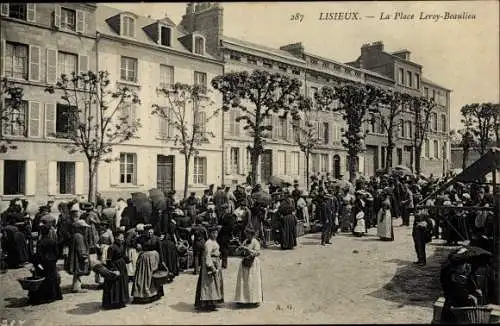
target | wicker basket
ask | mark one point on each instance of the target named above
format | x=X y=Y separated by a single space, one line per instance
x=471 y=315
x=31 y=283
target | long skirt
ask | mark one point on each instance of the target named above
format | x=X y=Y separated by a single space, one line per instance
x=384 y=227
x=145 y=289
x=249 y=284
x=288 y=232
x=50 y=289
x=360 y=227
x=115 y=293
x=210 y=288
x=17 y=251
x=170 y=256
x=345 y=219
x=133 y=255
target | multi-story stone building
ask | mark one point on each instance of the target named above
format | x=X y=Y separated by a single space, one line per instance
x=406 y=76
x=39 y=42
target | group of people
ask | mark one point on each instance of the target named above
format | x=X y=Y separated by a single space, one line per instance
x=149 y=241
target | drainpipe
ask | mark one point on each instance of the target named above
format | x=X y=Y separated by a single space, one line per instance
x=223 y=135
x=97 y=39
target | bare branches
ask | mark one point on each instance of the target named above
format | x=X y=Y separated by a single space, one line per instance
x=11 y=101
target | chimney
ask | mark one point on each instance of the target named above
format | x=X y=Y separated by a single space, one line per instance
x=378 y=46
x=403 y=54
x=296 y=49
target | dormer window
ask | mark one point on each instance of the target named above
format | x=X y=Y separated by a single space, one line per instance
x=127 y=26
x=165 y=36
x=199 y=45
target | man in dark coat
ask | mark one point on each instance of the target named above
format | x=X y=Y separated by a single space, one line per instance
x=129 y=215
x=326 y=210
x=221 y=201
x=225 y=236
x=78 y=259
x=422 y=234
x=200 y=235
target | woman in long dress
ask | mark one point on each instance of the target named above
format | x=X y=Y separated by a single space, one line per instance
x=145 y=290
x=346 y=215
x=384 y=221
x=359 y=211
x=131 y=237
x=249 y=281
x=210 y=286
x=115 y=294
x=288 y=224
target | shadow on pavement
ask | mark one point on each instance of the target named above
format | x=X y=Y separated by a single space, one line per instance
x=415 y=285
x=86 y=308
x=17 y=302
x=183 y=307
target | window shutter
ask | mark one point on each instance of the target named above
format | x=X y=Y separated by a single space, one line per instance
x=243 y=159
x=30 y=178
x=34 y=67
x=50 y=120
x=57 y=16
x=5 y=9
x=52 y=181
x=2 y=50
x=431 y=149
x=83 y=63
x=237 y=124
x=30 y=12
x=80 y=21
x=162 y=127
x=289 y=131
x=228 y=160
x=51 y=66
x=141 y=166
x=79 y=178
x=227 y=123
x=34 y=119
x=1 y=177
x=170 y=127
x=361 y=164
x=240 y=161
x=288 y=163
x=276 y=121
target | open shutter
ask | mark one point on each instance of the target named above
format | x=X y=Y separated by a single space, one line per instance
x=170 y=127
x=114 y=172
x=275 y=162
x=3 y=51
x=431 y=149
x=80 y=21
x=5 y=9
x=52 y=181
x=142 y=165
x=34 y=119
x=34 y=66
x=50 y=120
x=228 y=160
x=226 y=116
x=83 y=63
x=51 y=66
x=275 y=121
x=289 y=132
x=79 y=178
x=240 y=161
x=244 y=163
x=361 y=164
x=30 y=178
x=288 y=163
x=31 y=12
x=1 y=177
x=57 y=16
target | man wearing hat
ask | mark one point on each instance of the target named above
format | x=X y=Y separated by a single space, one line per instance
x=78 y=259
x=199 y=235
x=221 y=202
x=326 y=211
x=422 y=228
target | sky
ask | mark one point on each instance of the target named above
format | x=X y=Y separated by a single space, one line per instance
x=461 y=55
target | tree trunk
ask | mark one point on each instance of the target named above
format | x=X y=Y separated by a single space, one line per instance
x=418 y=151
x=465 y=157
x=186 y=175
x=389 y=153
x=307 y=169
x=254 y=160
x=352 y=165
x=92 y=168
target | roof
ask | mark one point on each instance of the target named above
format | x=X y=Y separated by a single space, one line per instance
x=262 y=50
x=430 y=82
x=103 y=13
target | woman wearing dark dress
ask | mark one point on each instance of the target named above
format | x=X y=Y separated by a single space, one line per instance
x=225 y=236
x=46 y=258
x=288 y=224
x=115 y=294
x=169 y=248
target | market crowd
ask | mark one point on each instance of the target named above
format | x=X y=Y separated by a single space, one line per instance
x=147 y=240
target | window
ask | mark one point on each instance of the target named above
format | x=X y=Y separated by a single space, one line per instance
x=127 y=112
x=249 y=160
x=16 y=119
x=436 y=149
x=14 y=177
x=399 y=152
x=200 y=79
x=18 y=10
x=434 y=121
x=234 y=126
x=267 y=64
x=324 y=163
x=402 y=128
x=427 y=148
x=252 y=60
x=67 y=64
x=417 y=81
x=281 y=162
x=434 y=94
x=200 y=170
x=426 y=92
x=383 y=152
x=128 y=69
x=166 y=76
x=409 y=129
x=282 y=129
x=443 y=123
x=401 y=76
x=282 y=68
x=312 y=92
x=68 y=19
x=296 y=72
x=445 y=150
x=66 y=177
x=235 y=160
x=409 y=79
x=235 y=57
x=66 y=117
x=326 y=65
x=199 y=45
x=326 y=133
x=16 y=60
x=373 y=121
x=128 y=168
x=165 y=35
x=315 y=163
x=128 y=26
x=201 y=122
x=295 y=164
